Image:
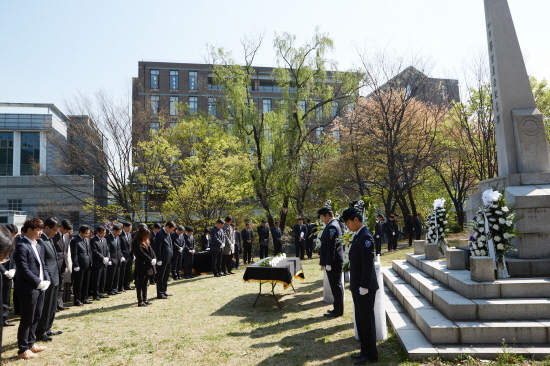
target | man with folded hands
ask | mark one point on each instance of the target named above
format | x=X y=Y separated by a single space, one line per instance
x=81 y=254
x=100 y=262
x=30 y=281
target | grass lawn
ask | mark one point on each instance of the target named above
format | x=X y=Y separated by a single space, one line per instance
x=210 y=321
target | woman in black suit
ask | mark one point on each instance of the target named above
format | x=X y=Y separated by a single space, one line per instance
x=205 y=240
x=144 y=264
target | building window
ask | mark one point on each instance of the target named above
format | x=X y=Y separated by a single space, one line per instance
x=336 y=134
x=174 y=106
x=334 y=109
x=155 y=104
x=6 y=153
x=30 y=151
x=174 y=80
x=318 y=111
x=302 y=106
x=267 y=105
x=319 y=132
x=15 y=205
x=444 y=92
x=154 y=126
x=193 y=82
x=193 y=106
x=212 y=107
x=154 y=79
x=409 y=91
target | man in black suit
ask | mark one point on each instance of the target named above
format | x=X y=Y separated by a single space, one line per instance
x=300 y=235
x=363 y=285
x=178 y=248
x=277 y=236
x=379 y=231
x=164 y=251
x=156 y=229
x=61 y=242
x=418 y=226
x=217 y=243
x=115 y=256
x=81 y=254
x=248 y=239
x=331 y=258
x=100 y=262
x=238 y=244
x=310 y=240
x=8 y=271
x=44 y=327
x=6 y=247
x=392 y=233
x=31 y=280
x=127 y=260
x=263 y=234
x=188 y=252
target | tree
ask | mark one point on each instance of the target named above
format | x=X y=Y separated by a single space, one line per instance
x=541 y=92
x=275 y=140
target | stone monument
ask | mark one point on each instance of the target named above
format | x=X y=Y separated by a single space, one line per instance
x=523 y=152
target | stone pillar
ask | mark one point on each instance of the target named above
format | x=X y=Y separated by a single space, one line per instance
x=482 y=269
x=431 y=251
x=419 y=246
x=455 y=259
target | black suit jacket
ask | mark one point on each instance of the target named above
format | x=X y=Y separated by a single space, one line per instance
x=300 y=229
x=276 y=234
x=217 y=239
x=189 y=243
x=50 y=258
x=26 y=278
x=100 y=250
x=380 y=228
x=176 y=244
x=125 y=245
x=81 y=253
x=62 y=250
x=114 y=249
x=163 y=247
x=331 y=251
x=247 y=234
x=263 y=233
x=144 y=256
x=361 y=260
x=391 y=227
x=237 y=240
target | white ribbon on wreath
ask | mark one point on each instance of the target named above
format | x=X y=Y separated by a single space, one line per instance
x=490 y=245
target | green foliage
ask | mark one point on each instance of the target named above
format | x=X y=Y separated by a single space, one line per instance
x=541 y=93
x=370 y=213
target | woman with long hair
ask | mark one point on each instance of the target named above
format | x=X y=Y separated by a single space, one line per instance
x=144 y=264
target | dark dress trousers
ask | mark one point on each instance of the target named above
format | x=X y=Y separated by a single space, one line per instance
x=62 y=249
x=332 y=254
x=6 y=288
x=238 y=247
x=81 y=254
x=177 y=243
x=113 y=271
x=164 y=251
x=26 y=281
x=100 y=250
x=247 y=236
x=188 y=246
x=300 y=235
x=310 y=240
x=217 y=243
x=363 y=274
x=277 y=236
x=125 y=241
x=143 y=268
x=50 y=295
x=263 y=237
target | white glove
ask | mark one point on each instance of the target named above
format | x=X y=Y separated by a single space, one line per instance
x=11 y=273
x=363 y=291
x=76 y=269
x=159 y=263
x=153 y=261
x=181 y=250
x=43 y=285
x=105 y=260
x=393 y=232
x=123 y=259
x=134 y=257
x=328 y=268
x=110 y=263
x=377 y=236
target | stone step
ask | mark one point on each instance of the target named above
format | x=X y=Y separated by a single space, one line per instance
x=418 y=347
x=460 y=281
x=438 y=329
x=456 y=307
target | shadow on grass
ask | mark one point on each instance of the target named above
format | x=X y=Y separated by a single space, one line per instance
x=94 y=309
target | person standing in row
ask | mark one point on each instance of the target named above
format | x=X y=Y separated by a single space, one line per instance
x=418 y=226
x=238 y=244
x=363 y=285
x=44 y=327
x=8 y=271
x=179 y=245
x=310 y=240
x=248 y=239
x=81 y=253
x=61 y=242
x=277 y=236
x=31 y=280
x=115 y=256
x=379 y=231
x=331 y=258
x=6 y=247
x=205 y=240
x=229 y=248
x=100 y=262
x=188 y=252
x=164 y=251
x=300 y=235
x=392 y=233
x=145 y=264
x=409 y=227
x=125 y=240
x=263 y=233
x=217 y=243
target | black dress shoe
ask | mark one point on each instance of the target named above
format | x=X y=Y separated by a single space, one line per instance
x=129 y=288
x=148 y=303
x=8 y=324
x=217 y=275
x=141 y=304
x=161 y=297
x=332 y=315
x=223 y=274
x=44 y=338
x=97 y=298
x=61 y=308
x=167 y=294
x=230 y=272
x=112 y=293
x=87 y=302
x=330 y=311
x=50 y=333
x=363 y=361
x=103 y=296
x=356 y=356
x=77 y=303
x=121 y=290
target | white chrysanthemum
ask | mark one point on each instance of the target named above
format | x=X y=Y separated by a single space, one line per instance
x=483 y=237
x=478 y=253
x=506 y=236
x=481 y=230
x=500 y=247
x=496 y=227
x=474 y=246
x=498 y=212
x=475 y=234
x=494 y=206
x=509 y=222
x=492 y=219
x=487 y=214
x=502 y=221
x=483 y=253
x=497 y=238
x=444 y=222
x=505 y=209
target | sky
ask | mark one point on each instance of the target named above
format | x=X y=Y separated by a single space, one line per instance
x=51 y=51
